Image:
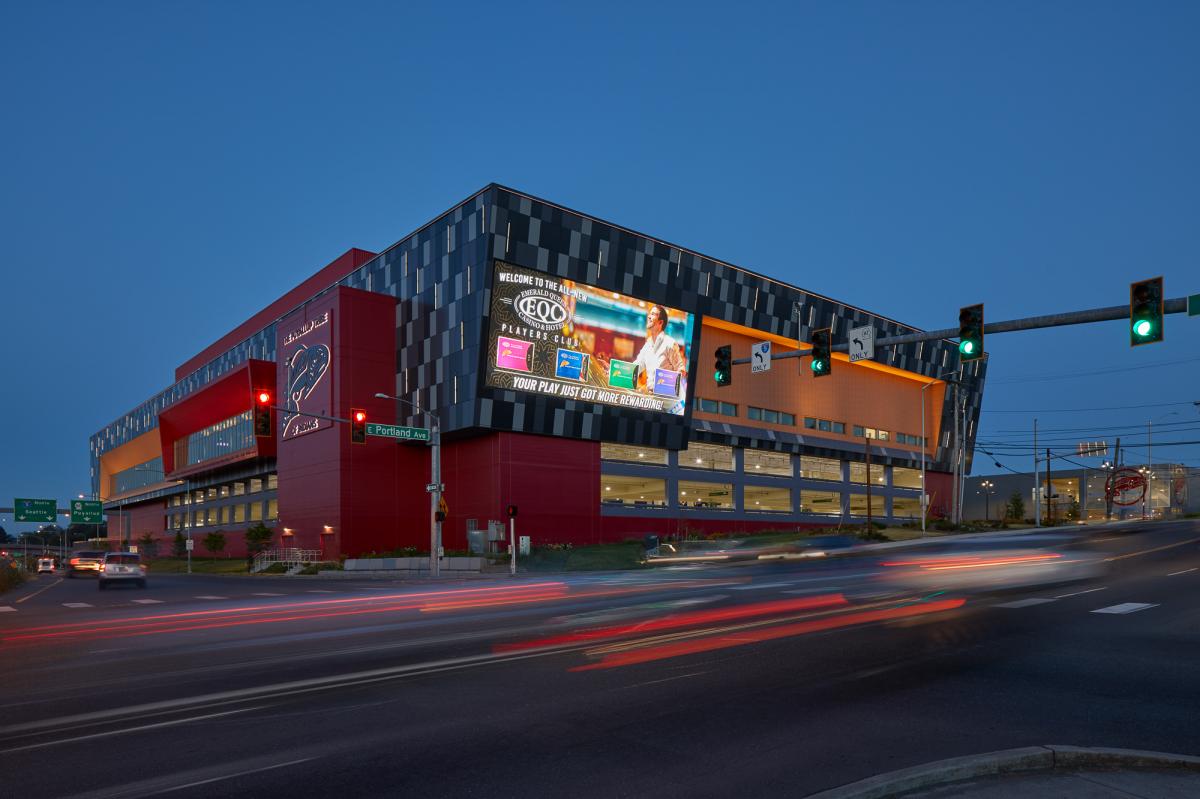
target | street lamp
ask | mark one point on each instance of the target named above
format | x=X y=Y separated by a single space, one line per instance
x=435 y=469
x=987 y=486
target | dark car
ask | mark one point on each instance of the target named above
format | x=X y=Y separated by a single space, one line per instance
x=89 y=563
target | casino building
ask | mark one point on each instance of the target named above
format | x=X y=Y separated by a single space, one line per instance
x=568 y=363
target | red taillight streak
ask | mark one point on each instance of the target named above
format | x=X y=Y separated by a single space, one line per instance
x=948 y=563
x=680 y=648
x=682 y=620
x=160 y=619
x=492 y=602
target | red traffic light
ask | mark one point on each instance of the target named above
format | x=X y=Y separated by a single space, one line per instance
x=358 y=426
x=512 y=511
x=264 y=397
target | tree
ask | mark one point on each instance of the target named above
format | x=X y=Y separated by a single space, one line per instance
x=1073 y=511
x=215 y=542
x=258 y=539
x=4 y=536
x=148 y=545
x=1016 y=506
x=179 y=546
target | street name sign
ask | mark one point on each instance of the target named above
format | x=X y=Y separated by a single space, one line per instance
x=86 y=511
x=760 y=357
x=862 y=343
x=398 y=432
x=34 y=510
x=1194 y=305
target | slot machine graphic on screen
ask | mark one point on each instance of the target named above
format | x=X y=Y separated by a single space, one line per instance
x=567 y=339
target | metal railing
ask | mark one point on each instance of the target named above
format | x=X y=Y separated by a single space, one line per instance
x=289 y=556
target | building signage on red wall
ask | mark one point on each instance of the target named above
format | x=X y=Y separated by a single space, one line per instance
x=305 y=354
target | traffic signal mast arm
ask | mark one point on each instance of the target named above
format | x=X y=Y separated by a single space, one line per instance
x=312 y=414
x=1112 y=313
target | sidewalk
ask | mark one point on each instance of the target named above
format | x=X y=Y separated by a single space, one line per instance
x=1061 y=772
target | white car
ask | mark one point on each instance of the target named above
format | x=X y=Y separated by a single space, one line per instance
x=45 y=566
x=122 y=567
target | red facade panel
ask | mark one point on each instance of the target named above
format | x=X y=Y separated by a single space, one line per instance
x=333 y=494
x=227 y=397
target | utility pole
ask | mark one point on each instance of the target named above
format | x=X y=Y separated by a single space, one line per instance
x=435 y=500
x=1049 y=491
x=1108 y=497
x=1037 y=482
x=957 y=456
x=1146 y=498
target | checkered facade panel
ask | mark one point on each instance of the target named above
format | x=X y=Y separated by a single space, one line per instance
x=441 y=277
x=540 y=235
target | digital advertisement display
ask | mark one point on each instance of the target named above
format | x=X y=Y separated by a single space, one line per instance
x=566 y=339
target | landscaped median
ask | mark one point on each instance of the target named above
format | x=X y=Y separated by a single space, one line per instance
x=11 y=574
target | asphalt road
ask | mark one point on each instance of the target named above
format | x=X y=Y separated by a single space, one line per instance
x=760 y=679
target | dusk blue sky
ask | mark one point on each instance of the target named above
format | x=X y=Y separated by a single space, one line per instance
x=170 y=168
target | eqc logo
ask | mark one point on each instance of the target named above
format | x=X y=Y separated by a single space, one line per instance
x=541 y=309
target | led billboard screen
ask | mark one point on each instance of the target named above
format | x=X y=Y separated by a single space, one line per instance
x=566 y=339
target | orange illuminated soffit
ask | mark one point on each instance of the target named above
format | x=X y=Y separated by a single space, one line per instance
x=789 y=344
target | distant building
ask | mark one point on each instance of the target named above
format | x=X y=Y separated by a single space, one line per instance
x=1174 y=491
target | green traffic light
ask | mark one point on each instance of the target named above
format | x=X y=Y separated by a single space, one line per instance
x=966 y=347
x=1143 y=328
x=817 y=365
x=719 y=376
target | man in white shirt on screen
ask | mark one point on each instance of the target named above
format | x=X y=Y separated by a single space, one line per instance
x=660 y=350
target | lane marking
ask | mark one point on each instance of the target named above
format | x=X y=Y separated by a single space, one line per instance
x=1185 y=571
x=265 y=593
x=1155 y=549
x=235 y=774
x=1081 y=593
x=76 y=605
x=1024 y=603
x=207 y=596
x=1126 y=607
x=174 y=723
x=7 y=609
x=148 y=601
x=318 y=591
x=40 y=590
x=761 y=586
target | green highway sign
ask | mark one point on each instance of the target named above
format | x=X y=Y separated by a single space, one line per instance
x=395 y=431
x=86 y=511
x=34 y=510
x=1194 y=305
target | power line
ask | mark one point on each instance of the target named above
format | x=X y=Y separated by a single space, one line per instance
x=1109 y=408
x=1086 y=373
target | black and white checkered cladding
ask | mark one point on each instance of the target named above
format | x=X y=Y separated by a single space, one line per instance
x=540 y=235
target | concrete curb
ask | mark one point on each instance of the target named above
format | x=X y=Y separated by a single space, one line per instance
x=1005 y=761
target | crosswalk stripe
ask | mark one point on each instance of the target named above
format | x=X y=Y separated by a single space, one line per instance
x=318 y=591
x=1126 y=607
x=76 y=605
x=7 y=609
x=266 y=594
x=206 y=596
x=1024 y=603
x=148 y=601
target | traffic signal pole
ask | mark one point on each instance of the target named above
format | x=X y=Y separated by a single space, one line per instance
x=1112 y=313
